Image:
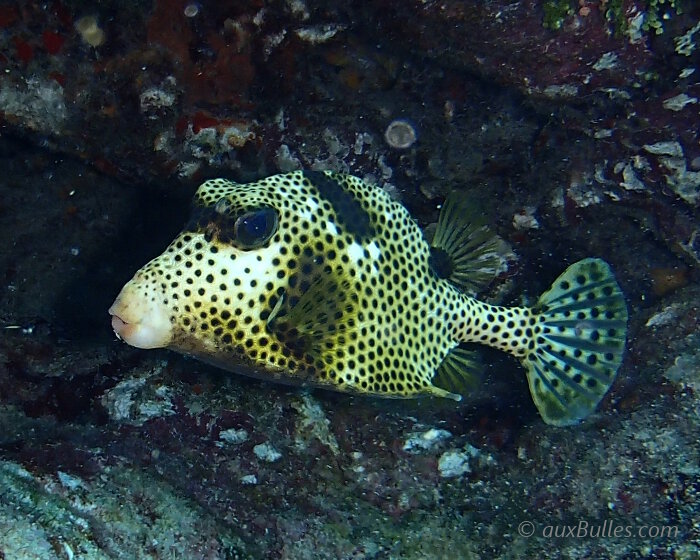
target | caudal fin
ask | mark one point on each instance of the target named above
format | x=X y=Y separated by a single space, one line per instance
x=578 y=349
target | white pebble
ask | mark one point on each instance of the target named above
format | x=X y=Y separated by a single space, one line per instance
x=265 y=452
x=233 y=436
x=424 y=441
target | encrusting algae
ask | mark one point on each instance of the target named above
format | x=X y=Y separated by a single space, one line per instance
x=321 y=279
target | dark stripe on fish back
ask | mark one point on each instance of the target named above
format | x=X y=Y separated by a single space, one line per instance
x=351 y=216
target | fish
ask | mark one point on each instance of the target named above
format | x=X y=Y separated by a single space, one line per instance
x=321 y=279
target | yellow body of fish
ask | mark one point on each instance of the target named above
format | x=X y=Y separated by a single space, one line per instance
x=319 y=278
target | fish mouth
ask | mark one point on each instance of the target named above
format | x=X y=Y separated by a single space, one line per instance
x=118 y=325
x=128 y=332
x=140 y=324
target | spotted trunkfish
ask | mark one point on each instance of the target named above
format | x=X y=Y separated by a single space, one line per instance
x=319 y=278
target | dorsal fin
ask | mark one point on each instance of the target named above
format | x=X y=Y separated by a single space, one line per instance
x=463 y=250
x=457 y=374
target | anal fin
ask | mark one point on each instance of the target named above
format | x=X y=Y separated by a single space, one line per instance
x=458 y=374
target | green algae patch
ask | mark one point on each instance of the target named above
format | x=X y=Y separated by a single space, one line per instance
x=555 y=12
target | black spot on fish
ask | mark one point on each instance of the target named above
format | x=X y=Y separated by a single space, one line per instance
x=440 y=262
x=347 y=208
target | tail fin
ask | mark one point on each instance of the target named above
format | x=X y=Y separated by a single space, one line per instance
x=576 y=354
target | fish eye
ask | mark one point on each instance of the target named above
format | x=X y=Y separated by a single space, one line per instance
x=253 y=229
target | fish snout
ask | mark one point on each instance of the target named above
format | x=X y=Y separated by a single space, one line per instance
x=139 y=320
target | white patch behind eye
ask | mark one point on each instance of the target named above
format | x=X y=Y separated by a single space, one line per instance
x=330 y=228
x=355 y=251
x=374 y=251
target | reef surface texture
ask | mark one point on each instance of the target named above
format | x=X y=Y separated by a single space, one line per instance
x=572 y=125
